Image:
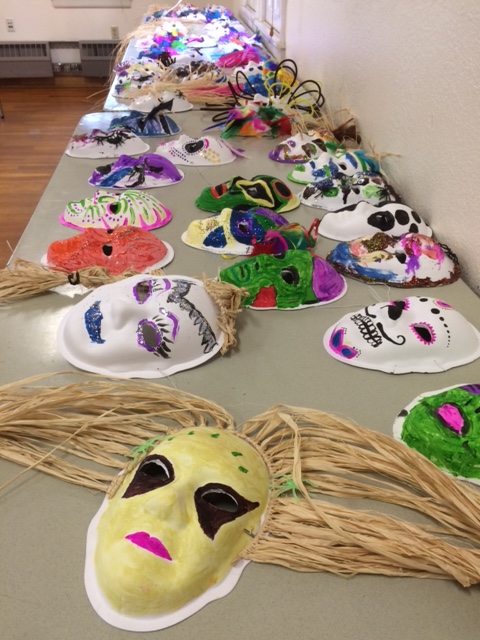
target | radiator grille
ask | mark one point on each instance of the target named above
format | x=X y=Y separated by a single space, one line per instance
x=97 y=57
x=21 y=50
x=25 y=60
x=92 y=50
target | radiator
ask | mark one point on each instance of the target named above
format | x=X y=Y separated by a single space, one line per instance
x=25 y=60
x=97 y=57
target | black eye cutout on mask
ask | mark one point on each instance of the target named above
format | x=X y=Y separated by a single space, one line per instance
x=217 y=504
x=154 y=471
x=395 y=309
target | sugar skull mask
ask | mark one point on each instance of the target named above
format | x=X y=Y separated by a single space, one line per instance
x=154 y=124
x=416 y=334
x=444 y=427
x=106 y=144
x=336 y=193
x=142 y=327
x=116 y=250
x=261 y=191
x=206 y=151
x=233 y=231
x=345 y=162
x=366 y=219
x=412 y=260
x=148 y=171
x=293 y=280
x=174 y=527
x=107 y=210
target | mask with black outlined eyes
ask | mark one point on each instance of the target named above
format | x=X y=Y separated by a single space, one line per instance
x=261 y=191
x=416 y=334
x=142 y=327
x=176 y=526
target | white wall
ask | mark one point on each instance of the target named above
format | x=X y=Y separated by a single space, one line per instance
x=39 y=20
x=410 y=72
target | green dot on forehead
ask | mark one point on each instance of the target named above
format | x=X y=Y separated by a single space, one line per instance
x=236 y=453
x=243 y=470
x=191 y=433
x=215 y=435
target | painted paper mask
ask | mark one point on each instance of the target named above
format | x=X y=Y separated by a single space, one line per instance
x=333 y=193
x=444 y=426
x=107 y=210
x=142 y=327
x=287 y=237
x=173 y=101
x=293 y=280
x=116 y=250
x=365 y=219
x=416 y=334
x=296 y=149
x=413 y=260
x=233 y=231
x=154 y=124
x=106 y=144
x=345 y=162
x=261 y=191
x=206 y=151
x=147 y=171
x=175 y=526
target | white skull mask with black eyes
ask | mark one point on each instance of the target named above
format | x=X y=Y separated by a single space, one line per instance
x=416 y=334
x=366 y=219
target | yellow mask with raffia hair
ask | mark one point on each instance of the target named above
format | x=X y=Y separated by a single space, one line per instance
x=179 y=520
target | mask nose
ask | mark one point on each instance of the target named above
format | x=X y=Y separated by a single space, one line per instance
x=120 y=313
x=169 y=506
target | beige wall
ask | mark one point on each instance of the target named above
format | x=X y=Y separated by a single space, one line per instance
x=39 y=20
x=410 y=72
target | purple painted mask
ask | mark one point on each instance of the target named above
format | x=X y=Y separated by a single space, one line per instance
x=147 y=171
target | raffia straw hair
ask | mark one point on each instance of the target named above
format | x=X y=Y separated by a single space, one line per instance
x=315 y=460
x=27 y=279
x=229 y=300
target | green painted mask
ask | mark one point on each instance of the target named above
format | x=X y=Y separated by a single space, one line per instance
x=261 y=191
x=291 y=280
x=444 y=426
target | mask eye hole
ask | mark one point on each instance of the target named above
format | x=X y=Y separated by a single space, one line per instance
x=154 y=471
x=401 y=256
x=290 y=276
x=221 y=500
x=424 y=332
x=142 y=291
x=395 y=309
x=243 y=227
x=194 y=147
x=218 y=504
x=107 y=250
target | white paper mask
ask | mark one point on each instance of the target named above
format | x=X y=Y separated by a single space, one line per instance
x=106 y=144
x=207 y=151
x=416 y=334
x=107 y=210
x=146 y=103
x=413 y=260
x=330 y=165
x=142 y=327
x=366 y=219
x=335 y=193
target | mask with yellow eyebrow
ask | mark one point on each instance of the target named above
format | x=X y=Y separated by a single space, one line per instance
x=178 y=522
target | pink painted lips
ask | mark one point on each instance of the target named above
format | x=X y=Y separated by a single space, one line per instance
x=149 y=543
